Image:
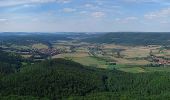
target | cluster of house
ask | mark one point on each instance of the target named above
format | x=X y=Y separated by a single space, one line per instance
x=161 y=61
x=36 y=53
x=41 y=54
x=49 y=51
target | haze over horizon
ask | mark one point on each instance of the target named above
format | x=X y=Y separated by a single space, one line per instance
x=84 y=15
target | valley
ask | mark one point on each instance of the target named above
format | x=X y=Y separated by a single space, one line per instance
x=140 y=58
x=46 y=67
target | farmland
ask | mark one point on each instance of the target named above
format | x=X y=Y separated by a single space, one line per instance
x=48 y=67
x=132 y=58
x=128 y=58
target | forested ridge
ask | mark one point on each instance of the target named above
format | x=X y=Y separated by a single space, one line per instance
x=59 y=79
x=132 y=38
x=27 y=39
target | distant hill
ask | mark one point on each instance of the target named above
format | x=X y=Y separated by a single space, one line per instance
x=132 y=38
x=31 y=38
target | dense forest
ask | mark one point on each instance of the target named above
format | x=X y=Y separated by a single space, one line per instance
x=9 y=62
x=132 y=38
x=65 y=79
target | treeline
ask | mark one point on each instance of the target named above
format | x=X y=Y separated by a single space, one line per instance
x=132 y=38
x=63 y=79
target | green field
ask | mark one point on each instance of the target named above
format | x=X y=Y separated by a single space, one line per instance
x=157 y=69
x=91 y=61
x=131 y=69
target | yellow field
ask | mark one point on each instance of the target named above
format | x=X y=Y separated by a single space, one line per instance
x=39 y=46
x=26 y=56
x=72 y=55
x=113 y=46
x=136 y=52
x=130 y=62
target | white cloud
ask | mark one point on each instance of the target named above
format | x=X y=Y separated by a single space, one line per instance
x=91 y=6
x=3 y=19
x=69 y=10
x=160 y=2
x=158 y=14
x=6 y=3
x=64 y=1
x=144 y=1
x=126 y=20
x=98 y=14
x=88 y=5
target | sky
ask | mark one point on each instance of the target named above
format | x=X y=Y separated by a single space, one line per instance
x=84 y=15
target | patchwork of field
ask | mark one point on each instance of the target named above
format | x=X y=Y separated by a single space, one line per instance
x=127 y=58
x=132 y=58
x=131 y=61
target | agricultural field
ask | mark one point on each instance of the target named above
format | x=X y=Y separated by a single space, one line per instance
x=128 y=58
x=132 y=58
x=39 y=46
x=131 y=69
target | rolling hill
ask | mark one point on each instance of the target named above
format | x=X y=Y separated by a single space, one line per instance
x=132 y=38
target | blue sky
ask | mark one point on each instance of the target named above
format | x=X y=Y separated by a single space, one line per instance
x=84 y=15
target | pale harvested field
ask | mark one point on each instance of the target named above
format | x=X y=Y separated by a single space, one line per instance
x=26 y=56
x=132 y=52
x=71 y=55
x=136 y=52
x=113 y=46
x=67 y=48
x=40 y=46
x=131 y=62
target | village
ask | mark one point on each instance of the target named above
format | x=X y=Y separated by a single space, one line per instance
x=159 y=61
x=34 y=53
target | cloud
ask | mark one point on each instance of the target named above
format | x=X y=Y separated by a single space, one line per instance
x=98 y=14
x=126 y=20
x=69 y=10
x=64 y=1
x=144 y=1
x=91 y=6
x=7 y=3
x=164 y=13
x=3 y=19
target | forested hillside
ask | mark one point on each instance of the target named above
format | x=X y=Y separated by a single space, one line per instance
x=65 y=79
x=9 y=62
x=132 y=38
